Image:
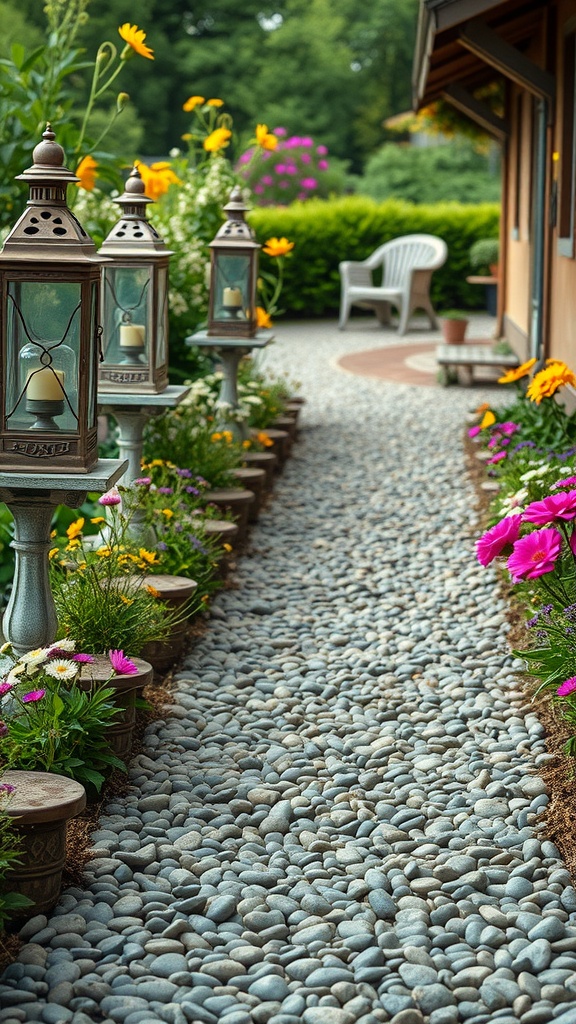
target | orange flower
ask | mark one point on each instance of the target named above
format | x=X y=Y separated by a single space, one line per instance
x=75 y=529
x=517 y=372
x=218 y=139
x=264 y=439
x=263 y=319
x=215 y=103
x=86 y=171
x=134 y=37
x=545 y=383
x=157 y=178
x=277 y=246
x=193 y=101
x=264 y=138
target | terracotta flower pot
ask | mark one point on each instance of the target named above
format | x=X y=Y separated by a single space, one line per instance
x=41 y=805
x=120 y=732
x=453 y=330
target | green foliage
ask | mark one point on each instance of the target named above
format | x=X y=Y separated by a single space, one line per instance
x=64 y=732
x=450 y=172
x=10 y=848
x=350 y=228
x=209 y=453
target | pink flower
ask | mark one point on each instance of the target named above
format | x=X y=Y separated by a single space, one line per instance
x=280 y=132
x=5 y=688
x=3 y=729
x=143 y=481
x=568 y=481
x=33 y=696
x=492 y=543
x=322 y=165
x=508 y=428
x=6 y=787
x=280 y=168
x=321 y=150
x=84 y=659
x=121 y=664
x=258 y=189
x=306 y=141
x=498 y=457
x=474 y=431
x=245 y=158
x=550 y=509
x=309 y=183
x=535 y=554
x=306 y=158
x=291 y=169
x=112 y=497
x=267 y=179
x=568 y=686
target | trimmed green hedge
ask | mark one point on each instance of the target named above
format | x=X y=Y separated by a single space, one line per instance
x=350 y=228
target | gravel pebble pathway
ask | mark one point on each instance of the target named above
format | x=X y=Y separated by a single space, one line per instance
x=336 y=822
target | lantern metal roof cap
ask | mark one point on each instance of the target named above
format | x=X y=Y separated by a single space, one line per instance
x=133 y=234
x=48 y=230
x=235 y=230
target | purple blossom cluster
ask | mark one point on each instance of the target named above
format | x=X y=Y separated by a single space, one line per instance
x=295 y=170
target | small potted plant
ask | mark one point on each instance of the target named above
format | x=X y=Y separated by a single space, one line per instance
x=484 y=256
x=453 y=324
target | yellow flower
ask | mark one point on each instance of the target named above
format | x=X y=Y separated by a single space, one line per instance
x=126 y=600
x=75 y=529
x=104 y=552
x=153 y=591
x=487 y=420
x=167 y=512
x=218 y=139
x=72 y=545
x=517 y=372
x=264 y=138
x=86 y=171
x=156 y=462
x=227 y=547
x=545 y=383
x=215 y=103
x=134 y=37
x=216 y=437
x=277 y=246
x=263 y=438
x=157 y=178
x=52 y=553
x=227 y=436
x=148 y=556
x=263 y=319
x=247 y=444
x=191 y=102
x=53 y=533
x=97 y=520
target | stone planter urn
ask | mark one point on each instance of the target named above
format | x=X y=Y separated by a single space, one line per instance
x=221 y=529
x=286 y=422
x=41 y=805
x=236 y=500
x=120 y=733
x=174 y=591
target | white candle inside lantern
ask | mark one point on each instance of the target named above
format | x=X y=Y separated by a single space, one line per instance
x=132 y=335
x=232 y=297
x=45 y=385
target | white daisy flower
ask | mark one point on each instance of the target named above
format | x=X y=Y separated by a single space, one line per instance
x=64 y=645
x=62 y=669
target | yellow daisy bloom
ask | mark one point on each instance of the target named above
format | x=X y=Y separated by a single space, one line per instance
x=487 y=420
x=134 y=37
x=86 y=171
x=277 y=246
x=546 y=383
x=263 y=319
x=215 y=103
x=150 y=557
x=97 y=520
x=52 y=553
x=517 y=372
x=264 y=138
x=157 y=178
x=75 y=528
x=153 y=591
x=218 y=139
x=191 y=102
x=167 y=512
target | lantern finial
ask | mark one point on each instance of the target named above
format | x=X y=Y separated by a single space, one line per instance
x=48 y=153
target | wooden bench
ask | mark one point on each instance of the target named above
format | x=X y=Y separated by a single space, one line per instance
x=452 y=358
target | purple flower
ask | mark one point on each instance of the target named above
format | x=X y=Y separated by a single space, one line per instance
x=161 y=546
x=143 y=481
x=5 y=688
x=165 y=490
x=495 y=540
x=3 y=729
x=535 y=554
x=84 y=659
x=121 y=664
x=33 y=696
x=187 y=473
x=196 y=544
x=192 y=490
x=6 y=787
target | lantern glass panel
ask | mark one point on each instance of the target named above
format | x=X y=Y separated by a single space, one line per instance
x=126 y=325
x=162 y=314
x=42 y=355
x=232 y=299
x=92 y=390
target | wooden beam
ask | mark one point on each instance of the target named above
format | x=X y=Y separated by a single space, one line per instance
x=478 y=111
x=476 y=37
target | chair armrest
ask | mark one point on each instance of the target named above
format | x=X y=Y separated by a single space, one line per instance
x=355 y=272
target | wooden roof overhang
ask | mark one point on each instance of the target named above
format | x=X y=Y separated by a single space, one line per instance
x=462 y=45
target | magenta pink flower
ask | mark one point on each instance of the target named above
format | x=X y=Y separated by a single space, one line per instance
x=568 y=686
x=305 y=158
x=550 y=509
x=535 y=554
x=5 y=688
x=143 y=481
x=3 y=730
x=33 y=696
x=492 y=543
x=112 y=497
x=321 y=150
x=280 y=168
x=84 y=659
x=121 y=664
x=498 y=457
x=568 y=481
x=6 y=787
x=508 y=428
x=280 y=132
x=267 y=179
x=306 y=141
x=474 y=431
x=258 y=189
x=309 y=183
x=322 y=165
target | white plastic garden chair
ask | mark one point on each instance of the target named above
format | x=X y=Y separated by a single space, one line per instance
x=407 y=266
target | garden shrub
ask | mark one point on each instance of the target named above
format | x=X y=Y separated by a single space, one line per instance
x=351 y=227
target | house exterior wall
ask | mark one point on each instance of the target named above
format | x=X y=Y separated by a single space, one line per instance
x=518 y=225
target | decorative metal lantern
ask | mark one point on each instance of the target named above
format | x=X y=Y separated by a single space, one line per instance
x=233 y=274
x=134 y=299
x=49 y=333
